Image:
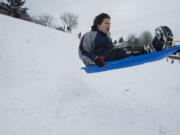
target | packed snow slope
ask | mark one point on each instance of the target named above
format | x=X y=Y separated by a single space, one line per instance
x=43 y=90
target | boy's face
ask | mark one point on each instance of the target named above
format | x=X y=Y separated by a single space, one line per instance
x=104 y=26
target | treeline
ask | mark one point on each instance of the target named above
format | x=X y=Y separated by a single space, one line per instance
x=136 y=41
x=69 y=21
x=15 y=9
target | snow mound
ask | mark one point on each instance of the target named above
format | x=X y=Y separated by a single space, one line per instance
x=43 y=91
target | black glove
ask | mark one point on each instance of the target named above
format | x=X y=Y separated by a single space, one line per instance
x=99 y=62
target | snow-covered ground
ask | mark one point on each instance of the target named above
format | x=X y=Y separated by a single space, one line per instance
x=43 y=91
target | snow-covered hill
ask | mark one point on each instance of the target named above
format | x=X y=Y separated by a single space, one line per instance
x=43 y=91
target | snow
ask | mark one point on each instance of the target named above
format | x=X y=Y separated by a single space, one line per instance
x=43 y=90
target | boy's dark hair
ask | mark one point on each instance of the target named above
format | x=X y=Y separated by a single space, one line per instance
x=99 y=19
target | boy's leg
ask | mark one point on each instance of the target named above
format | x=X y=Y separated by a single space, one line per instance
x=120 y=53
x=163 y=34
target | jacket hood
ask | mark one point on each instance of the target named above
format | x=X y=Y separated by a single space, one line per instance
x=93 y=28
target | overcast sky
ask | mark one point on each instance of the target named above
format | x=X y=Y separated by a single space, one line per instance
x=127 y=16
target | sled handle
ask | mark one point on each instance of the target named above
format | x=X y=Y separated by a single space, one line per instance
x=172 y=41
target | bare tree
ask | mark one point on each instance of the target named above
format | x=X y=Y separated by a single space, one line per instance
x=115 y=42
x=69 y=20
x=145 y=38
x=133 y=40
x=121 y=39
x=45 y=20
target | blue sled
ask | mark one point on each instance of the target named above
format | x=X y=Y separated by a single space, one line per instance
x=132 y=60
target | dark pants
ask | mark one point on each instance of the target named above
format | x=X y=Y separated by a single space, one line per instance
x=120 y=53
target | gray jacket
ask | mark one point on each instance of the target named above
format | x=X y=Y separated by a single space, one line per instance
x=93 y=44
